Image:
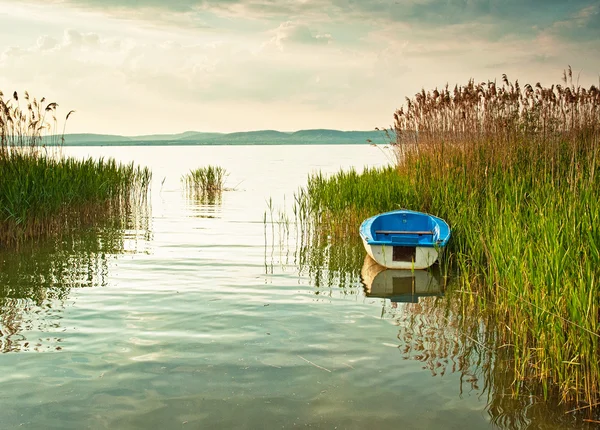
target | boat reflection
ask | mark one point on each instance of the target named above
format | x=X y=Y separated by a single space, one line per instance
x=400 y=286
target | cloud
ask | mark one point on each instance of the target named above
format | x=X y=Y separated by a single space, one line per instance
x=12 y=52
x=350 y=61
x=120 y=76
x=288 y=24
x=290 y=32
x=46 y=43
x=497 y=19
x=581 y=25
x=71 y=40
x=76 y=64
x=74 y=38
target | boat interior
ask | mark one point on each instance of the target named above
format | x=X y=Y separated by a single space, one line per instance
x=394 y=228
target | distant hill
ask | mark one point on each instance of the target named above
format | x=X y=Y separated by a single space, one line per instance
x=87 y=138
x=180 y=136
x=261 y=137
x=337 y=136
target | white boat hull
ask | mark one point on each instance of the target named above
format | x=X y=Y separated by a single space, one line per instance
x=384 y=256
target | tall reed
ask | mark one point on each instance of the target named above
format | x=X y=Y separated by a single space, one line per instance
x=42 y=193
x=513 y=169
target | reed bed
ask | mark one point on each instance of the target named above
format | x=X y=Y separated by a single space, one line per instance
x=513 y=169
x=205 y=183
x=44 y=194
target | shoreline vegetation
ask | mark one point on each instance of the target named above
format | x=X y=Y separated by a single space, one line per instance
x=43 y=194
x=515 y=170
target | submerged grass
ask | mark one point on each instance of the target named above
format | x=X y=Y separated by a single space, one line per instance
x=515 y=173
x=44 y=194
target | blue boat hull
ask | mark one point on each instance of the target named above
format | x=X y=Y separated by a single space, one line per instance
x=404 y=239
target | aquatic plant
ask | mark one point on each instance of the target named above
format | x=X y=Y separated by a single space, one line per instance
x=205 y=183
x=514 y=171
x=44 y=194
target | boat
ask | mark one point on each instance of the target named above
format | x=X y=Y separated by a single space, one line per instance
x=400 y=286
x=404 y=239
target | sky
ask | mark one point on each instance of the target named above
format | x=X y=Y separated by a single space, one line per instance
x=135 y=67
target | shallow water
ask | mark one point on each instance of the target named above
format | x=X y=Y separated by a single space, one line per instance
x=202 y=316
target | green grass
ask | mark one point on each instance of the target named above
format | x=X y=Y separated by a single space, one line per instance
x=43 y=194
x=515 y=173
x=205 y=183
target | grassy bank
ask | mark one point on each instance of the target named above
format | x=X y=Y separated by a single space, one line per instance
x=43 y=194
x=514 y=170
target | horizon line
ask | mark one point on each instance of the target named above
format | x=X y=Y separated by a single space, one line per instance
x=224 y=132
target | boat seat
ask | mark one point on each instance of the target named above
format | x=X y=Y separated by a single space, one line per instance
x=403 y=232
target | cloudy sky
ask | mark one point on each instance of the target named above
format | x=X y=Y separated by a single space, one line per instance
x=156 y=66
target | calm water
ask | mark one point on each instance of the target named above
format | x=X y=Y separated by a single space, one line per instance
x=201 y=316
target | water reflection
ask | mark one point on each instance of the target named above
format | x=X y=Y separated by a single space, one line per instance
x=405 y=286
x=35 y=282
x=203 y=204
x=330 y=267
x=440 y=327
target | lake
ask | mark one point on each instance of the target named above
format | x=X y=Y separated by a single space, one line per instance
x=203 y=316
